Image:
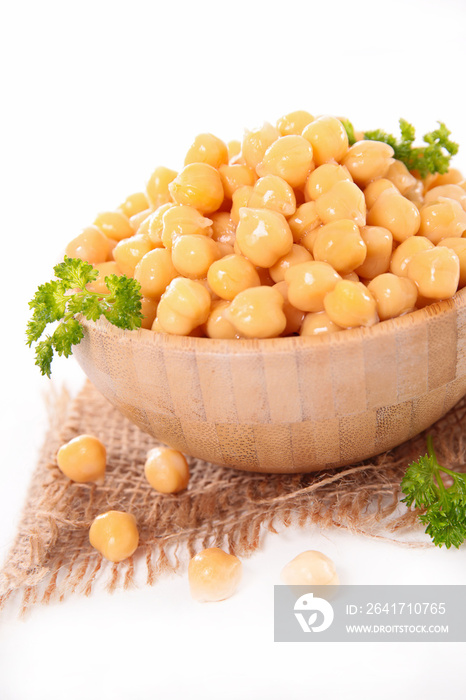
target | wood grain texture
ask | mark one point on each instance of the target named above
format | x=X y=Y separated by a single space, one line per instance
x=287 y=404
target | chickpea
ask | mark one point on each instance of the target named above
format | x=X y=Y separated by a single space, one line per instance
x=213 y=575
x=294 y=317
x=198 y=185
x=310 y=568
x=351 y=305
x=104 y=269
x=192 y=255
x=234 y=149
x=129 y=251
x=231 y=275
x=114 y=224
x=318 y=323
x=393 y=211
x=289 y=157
x=452 y=177
x=166 y=470
x=323 y=178
x=297 y=255
x=149 y=311
x=344 y=201
x=91 y=245
x=436 y=272
x=304 y=220
x=157 y=186
x=294 y=122
x=416 y=195
x=458 y=245
x=399 y=174
x=134 y=204
x=379 y=244
x=340 y=244
x=140 y=222
x=368 y=160
x=257 y=312
x=183 y=220
x=393 y=295
x=374 y=189
x=402 y=255
x=273 y=192
x=454 y=192
x=184 y=306
x=235 y=176
x=154 y=272
x=154 y=224
x=115 y=535
x=217 y=324
x=444 y=219
x=240 y=199
x=209 y=149
x=223 y=227
x=308 y=284
x=328 y=139
x=256 y=142
x=83 y=459
x=263 y=236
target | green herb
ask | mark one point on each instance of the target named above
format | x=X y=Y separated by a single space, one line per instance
x=443 y=509
x=434 y=157
x=349 y=128
x=64 y=298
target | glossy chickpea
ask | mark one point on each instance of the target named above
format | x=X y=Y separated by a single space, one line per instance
x=399 y=174
x=323 y=178
x=295 y=256
x=455 y=192
x=154 y=272
x=436 y=272
x=235 y=176
x=218 y=325
x=91 y=245
x=231 y=275
x=452 y=177
x=149 y=312
x=289 y=157
x=198 y=185
x=234 y=149
x=181 y=221
x=115 y=535
x=134 y=204
x=328 y=139
x=213 y=575
x=416 y=195
x=344 y=201
x=184 y=306
x=263 y=236
x=458 y=245
x=304 y=220
x=402 y=255
x=393 y=295
x=379 y=245
x=340 y=244
x=443 y=219
x=240 y=199
x=83 y=459
x=128 y=252
x=140 y=222
x=351 y=305
x=294 y=122
x=114 y=224
x=154 y=225
x=192 y=255
x=368 y=160
x=223 y=227
x=257 y=312
x=294 y=317
x=308 y=283
x=256 y=142
x=395 y=212
x=317 y=324
x=209 y=149
x=104 y=270
x=166 y=470
x=157 y=186
x=374 y=189
x=310 y=568
x=273 y=192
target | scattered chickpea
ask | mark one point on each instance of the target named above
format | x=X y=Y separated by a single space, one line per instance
x=214 y=575
x=310 y=568
x=166 y=470
x=83 y=459
x=115 y=535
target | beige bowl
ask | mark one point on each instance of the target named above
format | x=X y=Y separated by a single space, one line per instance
x=285 y=404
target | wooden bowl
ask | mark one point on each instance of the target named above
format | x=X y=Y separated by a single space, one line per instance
x=285 y=404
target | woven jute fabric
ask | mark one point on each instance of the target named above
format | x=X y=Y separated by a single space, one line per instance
x=51 y=556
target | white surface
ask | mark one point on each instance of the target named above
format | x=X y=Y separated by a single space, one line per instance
x=95 y=95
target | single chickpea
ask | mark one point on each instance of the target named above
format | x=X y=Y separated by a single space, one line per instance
x=217 y=324
x=157 y=186
x=257 y=312
x=351 y=305
x=454 y=192
x=209 y=149
x=223 y=227
x=273 y=192
x=128 y=252
x=452 y=177
x=395 y=212
x=114 y=224
x=310 y=568
x=344 y=201
x=193 y=255
x=154 y=224
x=115 y=535
x=295 y=256
x=379 y=245
x=402 y=255
x=83 y=459
x=263 y=236
x=304 y=220
x=436 y=272
x=235 y=176
x=368 y=160
x=134 y=204
x=328 y=139
x=149 y=312
x=183 y=220
x=231 y=275
x=399 y=174
x=317 y=324
x=104 y=269
x=256 y=142
x=294 y=317
x=308 y=284
x=154 y=272
x=213 y=575
x=240 y=199
x=294 y=122
x=323 y=178
x=140 y=222
x=166 y=470
x=234 y=149
x=340 y=244
x=198 y=185
x=183 y=306
x=91 y=245
x=289 y=157
x=458 y=245
x=393 y=295
x=443 y=219
x=374 y=189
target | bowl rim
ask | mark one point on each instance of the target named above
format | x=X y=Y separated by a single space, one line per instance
x=246 y=346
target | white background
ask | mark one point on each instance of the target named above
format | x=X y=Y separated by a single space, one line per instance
x=94 y=96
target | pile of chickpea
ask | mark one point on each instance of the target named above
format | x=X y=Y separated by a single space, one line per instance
x=292 y=231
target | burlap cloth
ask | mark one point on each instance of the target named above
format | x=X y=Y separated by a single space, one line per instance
x=51 y=556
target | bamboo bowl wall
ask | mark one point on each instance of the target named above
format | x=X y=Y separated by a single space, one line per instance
x=286 y=404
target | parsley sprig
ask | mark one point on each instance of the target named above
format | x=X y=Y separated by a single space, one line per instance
x=434 y=157
x=64 y=298
x=443 y=508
